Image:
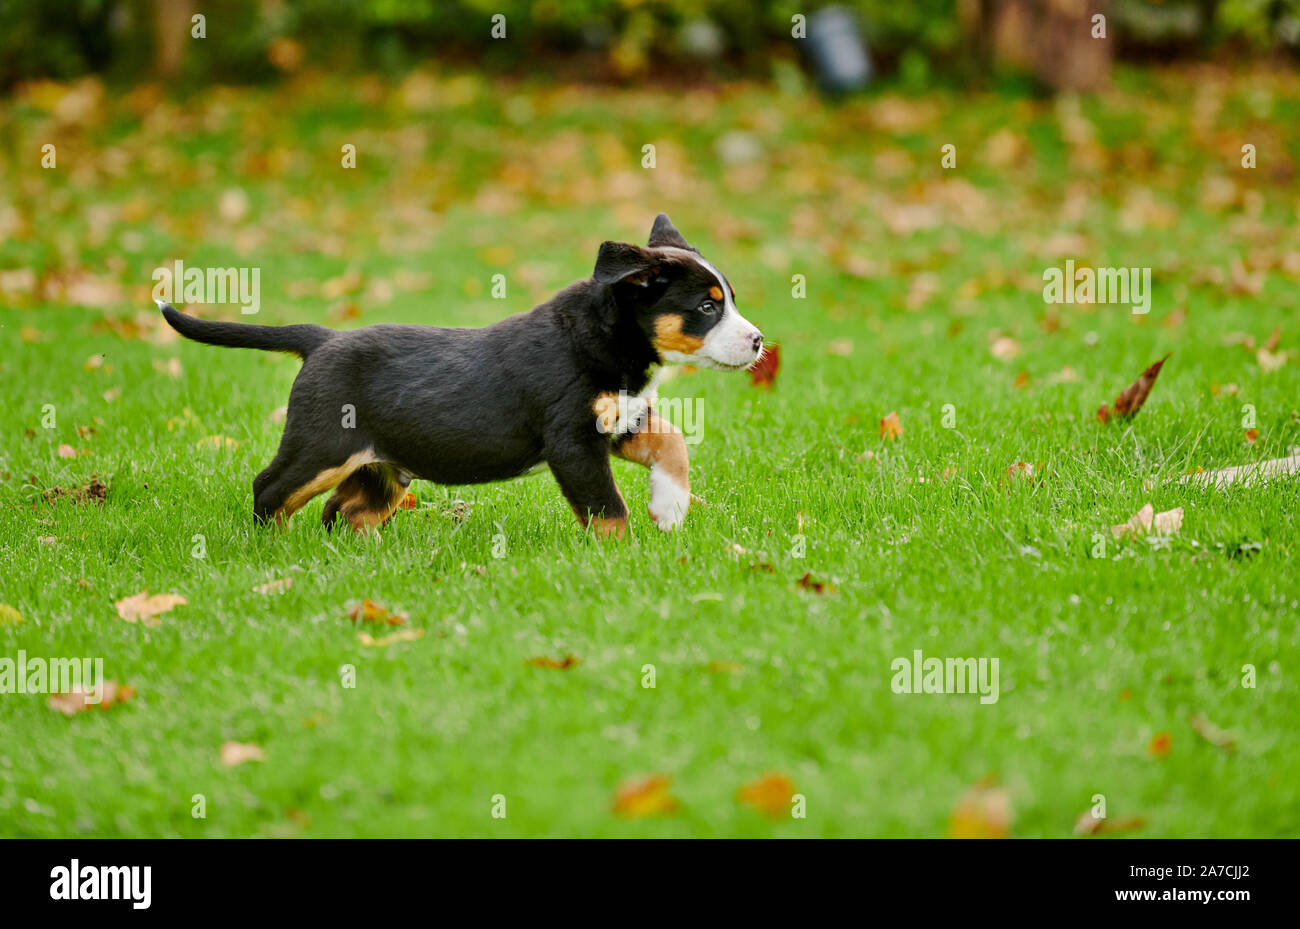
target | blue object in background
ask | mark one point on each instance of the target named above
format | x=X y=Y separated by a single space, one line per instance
x=836 y=50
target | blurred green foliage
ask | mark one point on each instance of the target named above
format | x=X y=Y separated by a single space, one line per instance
x=725 y=37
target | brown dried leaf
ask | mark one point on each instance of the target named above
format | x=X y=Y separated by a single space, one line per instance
x=763 y=372
x=564 y=664
x=1132 y=397
x=368 y=611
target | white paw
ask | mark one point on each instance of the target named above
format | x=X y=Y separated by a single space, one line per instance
x=669 y=501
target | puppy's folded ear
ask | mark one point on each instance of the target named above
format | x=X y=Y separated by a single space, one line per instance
x=664 y=233
x=620 y=261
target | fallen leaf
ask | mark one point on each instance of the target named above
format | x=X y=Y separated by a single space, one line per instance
x=9 y=616
x=763 y=372
x=1270 y=361
x=274 y=587
x=564 y=664
x=1132 y=397
x=724 y=667
x=1220 y=738
x=1251 y=436
x=983 y=812
x=807 y=582
x=67 y=451
x=1005 y=348
x=890 y=427
x=1273 y=340
x=1246 y=474
x=1022 y=381
x=143 y=608
x=646 y=796
x=368 y=611
x=770 y=795
x=408 y=502
x=1160 y=744
x=402 y=635
x=237 y=753
x=78 y=700
x=216 y=441
x=1087 y=824
x=1169 y=522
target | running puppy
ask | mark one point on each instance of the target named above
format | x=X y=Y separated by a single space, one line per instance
x=569 y=383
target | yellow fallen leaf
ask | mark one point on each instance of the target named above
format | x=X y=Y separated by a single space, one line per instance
x=402 y=635
x=9 y=616
x=983 y=812
x=236 y=753
x=216 y=441
x=646 y=796
x=280 y=585
x=143 y=608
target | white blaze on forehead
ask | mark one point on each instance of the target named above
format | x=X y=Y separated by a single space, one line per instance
x=728 y=302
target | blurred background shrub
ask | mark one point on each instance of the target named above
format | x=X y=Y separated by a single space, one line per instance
x=917 y=41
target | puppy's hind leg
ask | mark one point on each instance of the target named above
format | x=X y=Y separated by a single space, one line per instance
x=285 y=487
x=368 y=497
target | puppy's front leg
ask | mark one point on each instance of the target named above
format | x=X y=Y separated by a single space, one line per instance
x=661 y=447
x=585 y=478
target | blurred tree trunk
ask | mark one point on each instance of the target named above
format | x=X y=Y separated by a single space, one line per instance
x=1052 y=39
x=172 y=30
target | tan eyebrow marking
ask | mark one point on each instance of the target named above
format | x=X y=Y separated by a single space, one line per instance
x=716 y=292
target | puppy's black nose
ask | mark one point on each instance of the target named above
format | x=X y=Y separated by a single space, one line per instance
x=758 y=340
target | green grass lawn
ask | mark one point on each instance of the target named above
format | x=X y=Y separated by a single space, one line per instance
x=913 y=274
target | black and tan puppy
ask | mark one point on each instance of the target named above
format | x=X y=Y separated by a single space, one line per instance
x=569 y=383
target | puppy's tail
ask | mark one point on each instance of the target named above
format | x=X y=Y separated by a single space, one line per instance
x=300 y=340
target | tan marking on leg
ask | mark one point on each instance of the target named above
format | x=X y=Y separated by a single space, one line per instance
x=603 y=526
x=376 y=497
x=606 y=410
x=661 y=447
x=670 y=338
x=325 y=480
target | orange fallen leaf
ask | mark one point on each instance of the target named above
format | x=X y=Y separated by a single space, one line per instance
x=237 y=753
x=1132 y=397
x=890 y=427
x=1160 y=744
x=1251 y=436
x=368 y=611
x=145 y=609
x=763 y=372
x=78 y=700
x=564 y=664
x=646 y=796
x=408 y=502
x=983 y=812
x=770 y=795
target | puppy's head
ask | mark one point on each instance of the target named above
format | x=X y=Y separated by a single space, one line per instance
x=684 y=305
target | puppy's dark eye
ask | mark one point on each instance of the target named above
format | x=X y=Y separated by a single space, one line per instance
x=707 y=307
